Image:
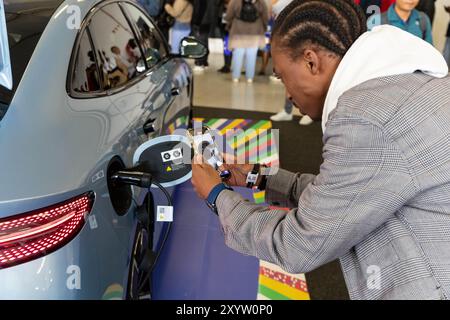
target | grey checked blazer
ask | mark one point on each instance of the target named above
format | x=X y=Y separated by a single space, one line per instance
x=381 y=202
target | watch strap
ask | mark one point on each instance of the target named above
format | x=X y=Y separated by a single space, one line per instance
x=214 y=194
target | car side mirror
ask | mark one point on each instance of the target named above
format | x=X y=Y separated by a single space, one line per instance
x=191 y=48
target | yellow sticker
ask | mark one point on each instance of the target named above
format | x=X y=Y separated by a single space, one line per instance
x=169 y=169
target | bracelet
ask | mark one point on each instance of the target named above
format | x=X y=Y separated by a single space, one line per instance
x=252 y=176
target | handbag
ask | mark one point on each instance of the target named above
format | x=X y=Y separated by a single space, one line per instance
x=165 y=20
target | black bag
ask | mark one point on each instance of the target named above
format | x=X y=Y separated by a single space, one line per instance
x=249 y=12
x=165 y=20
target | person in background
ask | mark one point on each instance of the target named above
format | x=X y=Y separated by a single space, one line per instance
x=227 y=53
x=447 y=42
x=247 y=21
x=153 y=7
x=182 y=11
x=427 y=6
x=287 y=113
x=204 y=20
x=266 y=50
x=402 y=14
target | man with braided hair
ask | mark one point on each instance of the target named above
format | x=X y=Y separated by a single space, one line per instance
x=381 y=202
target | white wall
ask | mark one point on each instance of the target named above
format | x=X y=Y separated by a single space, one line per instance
x=440 y=25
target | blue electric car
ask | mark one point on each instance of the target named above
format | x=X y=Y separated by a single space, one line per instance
x=91 y=82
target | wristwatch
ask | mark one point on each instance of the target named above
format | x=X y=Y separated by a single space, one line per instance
x=212 y=197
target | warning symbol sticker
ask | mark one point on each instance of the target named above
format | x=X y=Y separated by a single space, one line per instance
x=169 y=168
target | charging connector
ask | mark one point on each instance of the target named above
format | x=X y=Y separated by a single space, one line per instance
x=139 y=179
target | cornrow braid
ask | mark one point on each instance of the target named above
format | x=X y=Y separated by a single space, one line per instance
x=331 y=24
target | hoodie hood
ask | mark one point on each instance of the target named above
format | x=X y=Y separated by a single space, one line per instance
x=384 y=51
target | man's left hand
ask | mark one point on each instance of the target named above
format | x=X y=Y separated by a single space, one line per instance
x=204 y=178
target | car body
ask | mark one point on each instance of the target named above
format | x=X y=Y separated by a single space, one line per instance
x=81 y=98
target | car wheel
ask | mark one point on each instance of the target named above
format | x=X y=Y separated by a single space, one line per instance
x=142 y=259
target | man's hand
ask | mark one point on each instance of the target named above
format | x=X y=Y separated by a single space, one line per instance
x=238 y=171
x=204 y=177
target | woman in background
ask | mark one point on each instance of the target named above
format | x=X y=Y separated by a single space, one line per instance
x=182 y=11
x=247 y=34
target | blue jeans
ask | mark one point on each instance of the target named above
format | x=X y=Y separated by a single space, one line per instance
x=447 y=51
x=250 y=55
x=288 y=106
x=177 y=33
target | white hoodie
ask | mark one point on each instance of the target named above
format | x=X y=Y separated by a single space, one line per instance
x=384 y=51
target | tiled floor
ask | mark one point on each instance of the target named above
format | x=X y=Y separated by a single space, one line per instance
x=214 y=89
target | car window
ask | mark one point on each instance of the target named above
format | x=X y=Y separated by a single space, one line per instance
x=85 y=77
x=148 y=36
x=119 y=58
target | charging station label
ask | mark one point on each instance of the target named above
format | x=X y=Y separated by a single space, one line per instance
x=164 y=214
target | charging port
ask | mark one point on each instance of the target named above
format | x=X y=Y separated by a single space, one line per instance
x=120 y=194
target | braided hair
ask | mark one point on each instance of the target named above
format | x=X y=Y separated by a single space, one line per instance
x=333 y=25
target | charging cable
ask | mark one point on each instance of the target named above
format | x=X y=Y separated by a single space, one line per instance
x=145 y=180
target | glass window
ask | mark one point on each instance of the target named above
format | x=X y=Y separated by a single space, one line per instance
x=85 y=77
x=149 y=37
x=119 y=58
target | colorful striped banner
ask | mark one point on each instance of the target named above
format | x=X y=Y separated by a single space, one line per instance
x=276 y=284
x=259 y=197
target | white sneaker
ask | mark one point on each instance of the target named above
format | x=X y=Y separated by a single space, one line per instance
x=249 y=81
x=274 y=79
x=305 y=121
x=198 y=69
x=282 y=116
x=235 y=80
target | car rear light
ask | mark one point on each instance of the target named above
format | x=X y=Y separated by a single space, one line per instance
x=34 y=234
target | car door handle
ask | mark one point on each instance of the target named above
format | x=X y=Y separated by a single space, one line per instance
x=175 y=91
x=149 y=126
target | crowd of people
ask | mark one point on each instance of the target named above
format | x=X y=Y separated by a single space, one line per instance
x=245 y=26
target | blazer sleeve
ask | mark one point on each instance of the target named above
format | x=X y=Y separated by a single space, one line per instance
x=284 y=188
x=363 y=181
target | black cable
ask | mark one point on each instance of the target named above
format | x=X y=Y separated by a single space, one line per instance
x=166 y=235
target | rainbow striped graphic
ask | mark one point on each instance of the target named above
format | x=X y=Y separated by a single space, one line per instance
x=275 y=284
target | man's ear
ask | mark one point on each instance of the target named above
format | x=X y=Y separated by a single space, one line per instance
x=312 y=61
